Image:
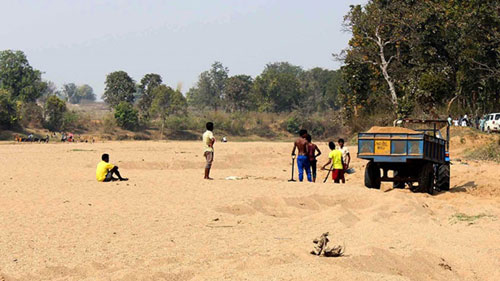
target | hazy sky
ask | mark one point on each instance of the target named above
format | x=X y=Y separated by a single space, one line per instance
x=81 y=41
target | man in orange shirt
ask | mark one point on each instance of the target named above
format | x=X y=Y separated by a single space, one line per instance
x=105 y=171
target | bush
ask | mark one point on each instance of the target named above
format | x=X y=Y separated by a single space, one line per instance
x=108 y=124
x=126 y=116
x=141 y=137
x=293 y=124
x=177 y=123
x=30 y=115
x=489 y=152
x=70 y=121
x=264 y=132
x=319 y=126
x=54 y=110
x=122 y=137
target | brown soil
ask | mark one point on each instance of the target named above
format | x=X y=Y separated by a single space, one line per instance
x=391 y=130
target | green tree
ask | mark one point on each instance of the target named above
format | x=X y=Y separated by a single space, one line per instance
x=427 y=54
x=70 y=93
x=167 y=101
x=126 y=116
x=277 y=88
x=379 y=29
x=19 y=78
x=148 y=83
x=86 y=92
x=50 y=90
x=238 y=93
x=120 y=87
x=8 y=110
x=209 y=90
x=218 y=76
x=54 y=112
x=201 y=94
x=356 y=88
x=319 y=87
x=30 y=114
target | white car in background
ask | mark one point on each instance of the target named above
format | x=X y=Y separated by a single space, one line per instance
x=492 y=123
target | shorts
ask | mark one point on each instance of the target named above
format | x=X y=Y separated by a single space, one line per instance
x=109 y=176
x=337 y=174
x=209 y=156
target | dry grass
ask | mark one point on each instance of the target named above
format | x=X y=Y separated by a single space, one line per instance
x=486 y=152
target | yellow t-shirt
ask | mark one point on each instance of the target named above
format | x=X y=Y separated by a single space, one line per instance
x=207 y=139
x=336 y=156
x=102 y=169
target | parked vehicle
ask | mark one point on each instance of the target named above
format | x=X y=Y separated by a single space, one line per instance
x=421 y=157
x=492 y=123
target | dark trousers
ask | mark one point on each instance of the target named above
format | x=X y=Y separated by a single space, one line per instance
x=313 y=167
x=109 y=175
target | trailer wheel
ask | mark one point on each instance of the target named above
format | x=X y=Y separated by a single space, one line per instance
x=372 y=175
x=399 y=184
x=425 y=179
x=443 y=177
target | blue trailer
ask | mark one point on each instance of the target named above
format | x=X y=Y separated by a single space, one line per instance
x=421 y=157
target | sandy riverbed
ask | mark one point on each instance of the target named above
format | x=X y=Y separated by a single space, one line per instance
x=166 y=223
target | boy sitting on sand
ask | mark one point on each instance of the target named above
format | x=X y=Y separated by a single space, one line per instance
x=335 y=157
x=105 y=171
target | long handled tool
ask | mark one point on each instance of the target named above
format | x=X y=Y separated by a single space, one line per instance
x=329 y=170
x=293 y=167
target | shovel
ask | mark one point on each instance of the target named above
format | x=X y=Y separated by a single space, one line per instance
x=293 y=167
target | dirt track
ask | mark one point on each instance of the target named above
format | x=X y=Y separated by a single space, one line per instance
x=166 y=223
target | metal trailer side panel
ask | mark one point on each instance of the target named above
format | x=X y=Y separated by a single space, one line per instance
x=400 y=147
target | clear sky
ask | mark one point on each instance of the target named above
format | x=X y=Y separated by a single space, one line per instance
x=81 y=41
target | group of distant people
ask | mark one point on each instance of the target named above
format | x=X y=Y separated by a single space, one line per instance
x=338 y=159
x=64 y=138
x=465 y=121
x=308 y=152
x=31 y=138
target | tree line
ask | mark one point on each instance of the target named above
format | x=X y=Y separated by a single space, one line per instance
x=27 y=100
x=422 y=57
x=281 y=87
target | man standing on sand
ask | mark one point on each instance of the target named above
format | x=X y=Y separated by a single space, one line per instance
x=302 y=159
x=208 y=141
x=346 y=157
x=311 y=153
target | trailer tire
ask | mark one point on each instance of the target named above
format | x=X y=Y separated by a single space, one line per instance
x=399 y=184
x=425 y=179
x=443 y=177
x=372 y=175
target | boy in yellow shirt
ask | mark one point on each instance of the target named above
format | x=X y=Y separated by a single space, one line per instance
x=335 y=157
x=105 y=171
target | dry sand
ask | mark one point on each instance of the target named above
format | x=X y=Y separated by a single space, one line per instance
x=166 y=223
x=391 y=130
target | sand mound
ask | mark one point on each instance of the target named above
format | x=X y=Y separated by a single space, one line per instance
x=391 y=130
